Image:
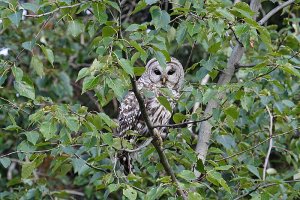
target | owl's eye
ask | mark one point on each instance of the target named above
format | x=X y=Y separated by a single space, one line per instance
x=171 y=72
x=157 y=72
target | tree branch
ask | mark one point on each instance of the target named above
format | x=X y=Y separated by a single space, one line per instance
x=275 y=10
x=183 y=123
x=55 y=10
x=90 y=165
x=225 y=77
x=145 y=144
x=263 y=185
x=270 y=143
x=157 y=141
x=255 y=146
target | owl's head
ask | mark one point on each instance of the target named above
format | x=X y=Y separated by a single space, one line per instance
x=171 y=77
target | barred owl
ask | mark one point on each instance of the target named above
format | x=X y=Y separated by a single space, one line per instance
x=154 y=78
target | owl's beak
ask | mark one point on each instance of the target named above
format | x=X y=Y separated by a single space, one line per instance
x=164 y=79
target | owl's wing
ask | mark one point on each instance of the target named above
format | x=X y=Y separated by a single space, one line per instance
x=129 y=114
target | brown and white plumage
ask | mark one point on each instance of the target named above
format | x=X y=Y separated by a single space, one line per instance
x=154 y=78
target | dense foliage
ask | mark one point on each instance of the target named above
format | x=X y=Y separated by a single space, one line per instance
x=65 y=66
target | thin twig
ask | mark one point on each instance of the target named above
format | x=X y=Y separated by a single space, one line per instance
x=275 y=10
x=39 y=151
x=90 y=165
x=190 y=56
x=55 y=10
x=270 y=143
x=139 y=189
x=264 y=74
x=183 y=123
x=255 y=146
x=264 y=185
x=139 y=148
x=235 y=36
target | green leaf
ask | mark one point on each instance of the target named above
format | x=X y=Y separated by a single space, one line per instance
x=194 y=196
x=75 y=28
x=49 y=54
x=31 y=6
x=37 y=65
x=29 y=45
x=253 y=170
x=200 y=166
x=214 y=47
x=164 y=101
x=27 y=169
x=138 y=71
x=292 y=42
x=108 y=31
x=161 y=59
x=18 y=73
x=224 y=167
x=187 y=175
x=178 y=117
x=25 y=89
x=114 y=5
x=107 y=138
x=288 y=103
x=288 y=68
x=96 y=66
x=83 y=73
x=232 y=111
x=138 y=47
x=150 y=2
x=226 y=140
x=140 y=6
x=72 y=123
x=32 y=136
x=160 y=19
x=208 y=95
x=111 y=123
x=15 y=18
x=5 y=162
x=181 y=32
x=244 y=9
x=265 y=37
x=224 y=12
x=217 y=179
x=48 y=129
x=132 y=27
x=130 y=193
x=100 y=12
x=90 y=83
x=113 y=187
x=114 y=84
x=79 y=165
x=127 y=66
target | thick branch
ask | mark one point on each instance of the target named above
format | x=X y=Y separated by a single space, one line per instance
x=156 y=139
x=275 y=10
x=205 y=127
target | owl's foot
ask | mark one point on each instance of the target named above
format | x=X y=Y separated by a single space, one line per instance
x=157 y=137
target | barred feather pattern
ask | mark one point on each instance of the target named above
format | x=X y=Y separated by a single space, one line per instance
x=130 y=115
x=154 y=78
